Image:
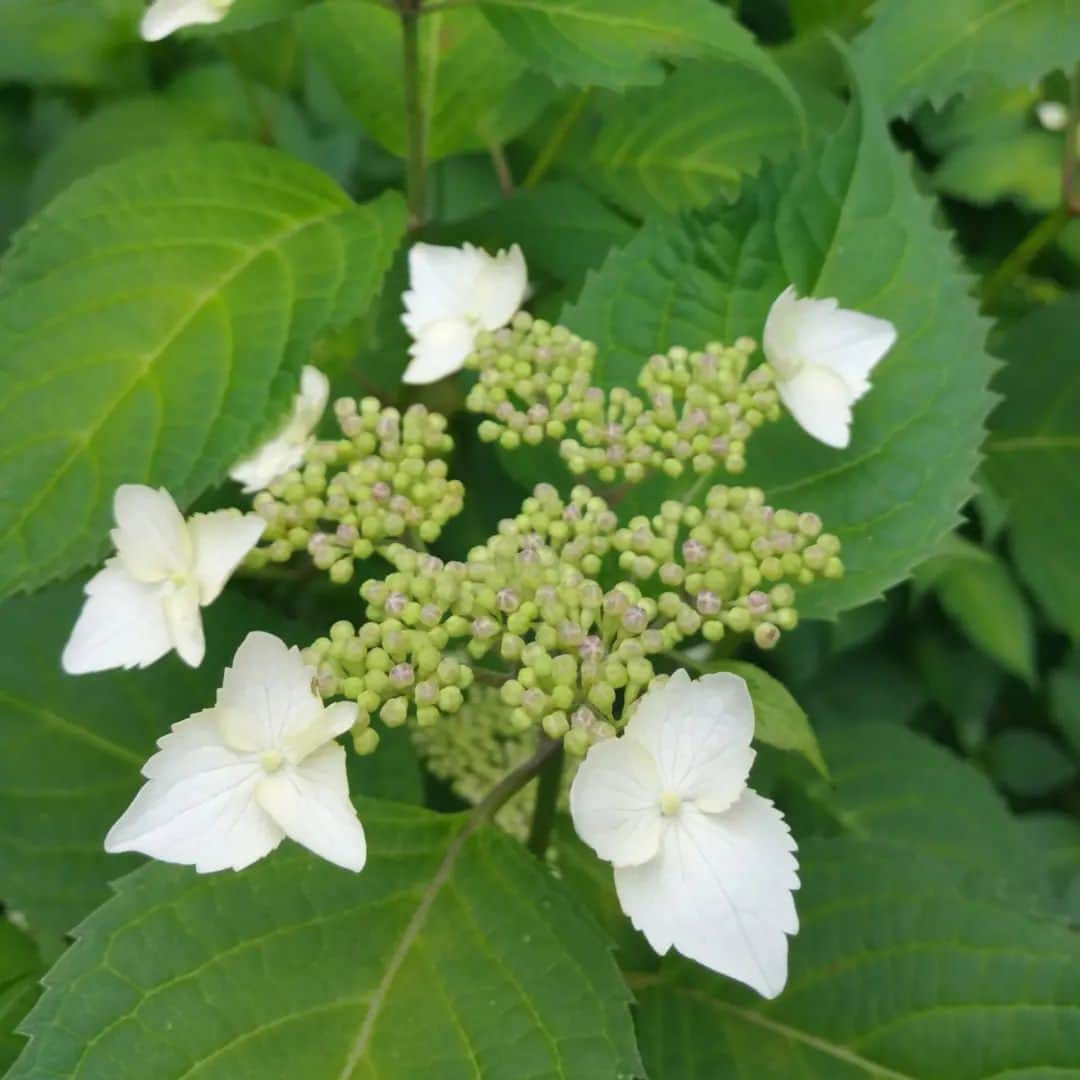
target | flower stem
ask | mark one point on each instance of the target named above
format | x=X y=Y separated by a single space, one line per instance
x=1051 y=227
x=547 y=800
x=511 y=784
x=550 y=150
x=415 y=150
x=491 y=678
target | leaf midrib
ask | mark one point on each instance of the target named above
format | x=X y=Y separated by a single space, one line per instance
x=153 y=356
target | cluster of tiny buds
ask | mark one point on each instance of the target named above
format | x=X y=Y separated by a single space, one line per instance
x=525 y=612
x=734 y=560
x=698 y=410
x=478 y=749
x=385 y=479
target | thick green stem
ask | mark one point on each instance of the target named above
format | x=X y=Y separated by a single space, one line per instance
x=547 y=799
x=1024 y=254
x=1051 y=227
x=550 y=150
x=415 y=122
x=511 y=784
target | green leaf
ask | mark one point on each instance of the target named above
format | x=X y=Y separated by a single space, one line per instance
x=1057 y=836
x=358 y=45
x=896 y=789
x=925 y=50
x=152 y=322
x=979 y=594
x=778 y=719
x=1033 y=457
x=902 y=970
x=80 y=43
x=20 y=969
x=247 y=14
x=1025 y=168
x=689 y=141
x=620 y=43
x=1028 y=763
x=453 y=954
x=1065 y=700
x=843 y=220
x=71 y=750
x=865 y=686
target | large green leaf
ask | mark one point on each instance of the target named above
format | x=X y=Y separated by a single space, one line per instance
x=921 y=50
x=620 y=43
x=71 y=750
x=689 y=141
x=979 y=593
x=1033 y=455
x=152 y=320
x=843 y=220
x=897 y=790
x=901 y=971
x=20 y=969
x=358 y=44
x=79 y=43
x=454 y=954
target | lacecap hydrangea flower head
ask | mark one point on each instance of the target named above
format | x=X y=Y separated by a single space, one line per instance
x=567 y=612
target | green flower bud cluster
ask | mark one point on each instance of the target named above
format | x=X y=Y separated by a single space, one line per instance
x=699 y=408
x=478 y=749
x=568 y=655
x=353 y=496
x=394 y=665
x=735 y=562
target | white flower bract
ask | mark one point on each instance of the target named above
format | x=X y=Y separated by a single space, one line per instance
x=146 y=600
x=454 y=293
x=164 y=17
x=230 y=783
x=285 y=449
x=823 y=355
x=703 y=864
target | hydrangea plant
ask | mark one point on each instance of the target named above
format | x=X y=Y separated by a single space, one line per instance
x=493 y=405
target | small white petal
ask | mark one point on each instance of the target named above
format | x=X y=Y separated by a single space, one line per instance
x=441 y=284
x=220 y=541
x=440 y=349
x=184 y=620
x=615 y=802
x=500 y=289
x=198 y=807
x=269 y=690
x=719 y=892
x=286 y=448
x=698 y=732
x=820 y=402
x=121 y=625
x=310 y=802
x=150 y=537
x=823 y=356
x=333 y=721
x=1053 y=115
x=165 y=16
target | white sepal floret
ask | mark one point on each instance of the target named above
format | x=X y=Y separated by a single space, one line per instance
x=703 y=864
x=454 y=293
x=147 y=599
x=231 y=782
x=822 y=355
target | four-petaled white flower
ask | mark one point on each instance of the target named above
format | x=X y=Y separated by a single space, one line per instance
x=163 y=17
x=823 y=355
x=285 y=450
x=146 y=600
x=454 y=293
x=703 y=864
x=230 y=783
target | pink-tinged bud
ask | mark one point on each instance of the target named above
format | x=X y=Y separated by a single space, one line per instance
x=402 y=675
x=396 y=603
x=591 y=648
x=380 y=491
x=508 y=600
x=758 y=602
x=635 y=619
x=694 y=552
x=707 y=602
